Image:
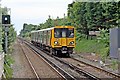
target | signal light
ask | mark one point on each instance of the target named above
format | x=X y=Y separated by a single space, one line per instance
x=5 y=19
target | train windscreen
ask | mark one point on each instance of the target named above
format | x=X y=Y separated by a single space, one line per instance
x=64 y=32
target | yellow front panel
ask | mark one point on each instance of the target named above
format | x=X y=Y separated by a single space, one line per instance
x=64 y=41
x=55 y=39
x=70 y=40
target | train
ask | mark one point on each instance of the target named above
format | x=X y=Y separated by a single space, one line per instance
x=57 y=40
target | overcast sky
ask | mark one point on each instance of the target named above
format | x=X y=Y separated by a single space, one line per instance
x=34 y=11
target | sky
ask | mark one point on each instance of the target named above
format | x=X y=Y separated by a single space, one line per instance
x=34 y=11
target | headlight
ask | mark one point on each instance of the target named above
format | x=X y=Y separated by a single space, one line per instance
x=55 y=42
x=71 y=43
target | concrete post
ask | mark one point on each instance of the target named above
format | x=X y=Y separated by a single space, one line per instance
x=119 y=60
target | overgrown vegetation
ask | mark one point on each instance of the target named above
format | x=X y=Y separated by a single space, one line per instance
x=11 y=38
x=114 y=65
x=8 y=66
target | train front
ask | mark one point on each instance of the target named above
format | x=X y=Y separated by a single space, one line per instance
x=64 y=39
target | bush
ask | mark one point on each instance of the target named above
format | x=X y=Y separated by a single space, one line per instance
x=104 y=37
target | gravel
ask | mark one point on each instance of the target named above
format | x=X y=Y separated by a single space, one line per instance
x=43 y=70
x=64 y=67
x=21 y=68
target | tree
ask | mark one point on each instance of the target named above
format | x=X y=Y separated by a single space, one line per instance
x=111 y=14
x=11 y=35
x=87 y=16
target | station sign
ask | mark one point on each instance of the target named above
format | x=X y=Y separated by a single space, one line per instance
x=94 y=33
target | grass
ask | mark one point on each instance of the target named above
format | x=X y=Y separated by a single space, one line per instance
x=7 y=66
x=89 y=46
x=114 y=65
x=8 y=71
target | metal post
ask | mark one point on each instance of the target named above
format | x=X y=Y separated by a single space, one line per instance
x=119 y=60
x=6 y=39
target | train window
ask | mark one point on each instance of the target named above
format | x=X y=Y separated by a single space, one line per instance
x=57 y=33
x=70 y=33
x=64 y=32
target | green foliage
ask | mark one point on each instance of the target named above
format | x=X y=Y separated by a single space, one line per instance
x=90 y=46
x=7 y=66
x=99 y=46
x=11 y=36
x=87 y=16
x=1 y=49
x=5 y=11
x=92 y=16
x=11 y=33
x=103 y=37
x=114 y=65
x=104 y=53
x=27 y=28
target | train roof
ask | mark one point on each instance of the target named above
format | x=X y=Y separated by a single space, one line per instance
x=42 y=30
x=52 y=28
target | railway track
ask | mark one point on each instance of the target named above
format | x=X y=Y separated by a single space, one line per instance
x=59 y=71
x=33 y=69
x=76 y=65
x=71 y=71
x=25 y=50
x=91 y=70
x=113 y=75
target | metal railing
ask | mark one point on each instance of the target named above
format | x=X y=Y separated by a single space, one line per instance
x=1 y=64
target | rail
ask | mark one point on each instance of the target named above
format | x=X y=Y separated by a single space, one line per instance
x=31 y=65
x=59 y=70
x=67 y=75
x=109 y=73
x=1 y=64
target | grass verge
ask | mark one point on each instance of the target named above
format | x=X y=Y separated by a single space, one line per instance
x=8 y=71
x=92 y=46
x=89 y=46
x=7 y=66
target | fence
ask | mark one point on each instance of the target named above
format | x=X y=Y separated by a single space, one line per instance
x=1 y=64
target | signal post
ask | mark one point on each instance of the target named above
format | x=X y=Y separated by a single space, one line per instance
x=6 y=24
